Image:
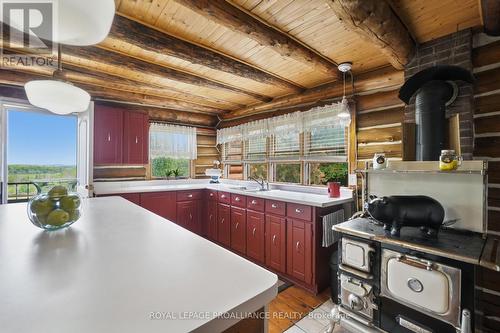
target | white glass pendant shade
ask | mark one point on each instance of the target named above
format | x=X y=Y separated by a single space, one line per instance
x=57 y=96
x=79 y=22
x=345 y=112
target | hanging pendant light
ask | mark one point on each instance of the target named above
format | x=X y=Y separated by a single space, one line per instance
x=56 y=95
x=345 y=112
x=77 y=22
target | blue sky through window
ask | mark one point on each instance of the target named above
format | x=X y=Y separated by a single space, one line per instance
x=37 y=138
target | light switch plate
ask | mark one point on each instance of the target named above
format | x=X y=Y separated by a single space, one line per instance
x=353 y=179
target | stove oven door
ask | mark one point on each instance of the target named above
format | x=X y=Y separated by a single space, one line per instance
x=356 y=254
x=429 y=287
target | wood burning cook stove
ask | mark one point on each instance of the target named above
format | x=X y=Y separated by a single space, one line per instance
x=411 y=281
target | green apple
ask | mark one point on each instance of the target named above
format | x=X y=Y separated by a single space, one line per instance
x=57 y=217
x=42 y=206
x=70 y=202
x=57 y=192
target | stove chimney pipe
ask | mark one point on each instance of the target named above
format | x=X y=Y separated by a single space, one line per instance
x=434 y=88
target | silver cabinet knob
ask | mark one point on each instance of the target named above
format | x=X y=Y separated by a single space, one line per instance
x=222 y=196
x=298 y=211
x=190 y=195
x=274 y=206
x=237 y=199
x=253 y=202
x=236 y=226
x=297 y=246
x=109 y=136
x=274 y=239
x=253 y=231
x=136 y=140
x=211 y=194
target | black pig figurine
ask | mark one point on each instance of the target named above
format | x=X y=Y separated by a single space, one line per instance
x=407 y=211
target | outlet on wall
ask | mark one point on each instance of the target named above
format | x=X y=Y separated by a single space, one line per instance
x=353 y=180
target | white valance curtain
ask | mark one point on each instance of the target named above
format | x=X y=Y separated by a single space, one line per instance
x=172 y=141
x=292 y=123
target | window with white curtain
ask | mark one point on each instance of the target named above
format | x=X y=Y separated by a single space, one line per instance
x=302 y=147
x=171 y=150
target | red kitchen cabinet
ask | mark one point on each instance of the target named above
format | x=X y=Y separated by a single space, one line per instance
x=108 y=135
x=256 y=236
x=188 y=215
x=211 y=220
x=136 y=138
x=224 y=225
x=132 y=197
x=299 y=250
x=238 y=229
x=276 y=243
x=161 y=203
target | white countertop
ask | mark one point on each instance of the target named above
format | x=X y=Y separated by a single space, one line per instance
x=114 y=267
x=310 y=199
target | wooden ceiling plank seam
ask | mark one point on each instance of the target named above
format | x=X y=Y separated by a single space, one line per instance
x=231 y=15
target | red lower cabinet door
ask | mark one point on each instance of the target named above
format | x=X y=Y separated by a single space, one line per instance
x=224 y=225
x=161 y=203
x=256 y=236
x=299 y=251
x=276 y=243
x=211 y=220
x=187 y=215
x=238 y=229
x=132 y=197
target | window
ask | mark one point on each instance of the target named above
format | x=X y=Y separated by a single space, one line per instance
x=325 y=142
x=257 y=170
x=287 y=173
x=41 y=152
x=322 y=173
x=171 y=150
x=302 y=147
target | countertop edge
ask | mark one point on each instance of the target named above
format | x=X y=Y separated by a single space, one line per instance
x=256 y=194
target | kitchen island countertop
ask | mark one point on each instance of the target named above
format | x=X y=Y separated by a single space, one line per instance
x=121 y=269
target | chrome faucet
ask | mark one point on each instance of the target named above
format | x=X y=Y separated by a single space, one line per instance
x=264 y=184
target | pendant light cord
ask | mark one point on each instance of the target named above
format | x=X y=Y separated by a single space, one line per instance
x=343 y=74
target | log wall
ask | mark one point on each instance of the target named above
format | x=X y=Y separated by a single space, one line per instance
x=486 y=62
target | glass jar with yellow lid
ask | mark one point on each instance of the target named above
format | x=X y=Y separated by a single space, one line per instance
x=449 y=161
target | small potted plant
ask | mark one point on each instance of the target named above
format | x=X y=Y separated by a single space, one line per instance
x=176 y=172
x=169 y=173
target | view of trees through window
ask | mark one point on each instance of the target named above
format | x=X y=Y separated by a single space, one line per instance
x=166 y=167
x=287 y=173
x=41 y=153
x=322 y=173
x=258 y=170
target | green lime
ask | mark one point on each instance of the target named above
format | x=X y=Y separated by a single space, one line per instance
x=74 y=215
x=70 y=202
x=57 y=192
x=42 y=206
x=57 y=217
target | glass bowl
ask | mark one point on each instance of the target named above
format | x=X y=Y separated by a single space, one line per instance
x=56 y=209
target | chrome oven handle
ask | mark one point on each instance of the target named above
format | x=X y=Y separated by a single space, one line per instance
x=418 y=264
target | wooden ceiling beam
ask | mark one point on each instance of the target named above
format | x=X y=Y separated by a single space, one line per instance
x=376 y=22
x=134 y=64
x=490 y=13
x=158 y=42
x=79 y=75
x=111 y=58
x=226 y=14
x=381 y=78
x=18 y=78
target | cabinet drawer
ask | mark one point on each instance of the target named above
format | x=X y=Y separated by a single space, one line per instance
x=212 y=195
x=297 y=211
x=188 y=195
x=238 y=200
x=275 y=207
x=224 y=197
x=256 y=204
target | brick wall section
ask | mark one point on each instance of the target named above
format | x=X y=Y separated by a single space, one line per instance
x=454 y=49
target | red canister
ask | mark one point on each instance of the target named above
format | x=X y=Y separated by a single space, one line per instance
x=334 y=189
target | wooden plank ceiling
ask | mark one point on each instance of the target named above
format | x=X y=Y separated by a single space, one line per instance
x=220 y=57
